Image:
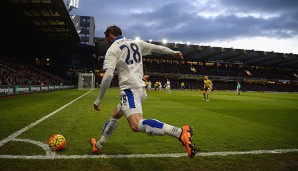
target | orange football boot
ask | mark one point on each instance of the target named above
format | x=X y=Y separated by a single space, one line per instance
x=186 y=140
x=95 y=150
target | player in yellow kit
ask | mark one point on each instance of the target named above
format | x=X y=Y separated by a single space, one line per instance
x=207 y=88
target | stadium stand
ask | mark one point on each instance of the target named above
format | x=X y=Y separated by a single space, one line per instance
x=47 y=32
x=41 y=45
x=14 y=71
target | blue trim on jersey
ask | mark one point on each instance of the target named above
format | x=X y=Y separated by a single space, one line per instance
x=153 y=123
x=117 y=38
x=130 y=98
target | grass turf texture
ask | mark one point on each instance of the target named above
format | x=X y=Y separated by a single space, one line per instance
x=251 y=121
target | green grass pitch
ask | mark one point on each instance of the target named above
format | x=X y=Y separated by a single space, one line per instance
x=228 y=122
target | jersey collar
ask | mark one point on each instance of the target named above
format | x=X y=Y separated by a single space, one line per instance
x=117 y=38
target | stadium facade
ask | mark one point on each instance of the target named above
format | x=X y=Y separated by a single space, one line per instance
x=85 y=27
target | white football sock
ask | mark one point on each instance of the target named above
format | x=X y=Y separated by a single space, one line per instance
x=172 y=130
x=108 y=130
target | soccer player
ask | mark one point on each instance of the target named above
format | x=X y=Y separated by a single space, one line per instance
x=125 y=56
x=207 y=88
x=146 y=84
x=168 y=87
x=159 y=86
x=238 y=87
x=149 y=86
x=182 y=85
x=156 y=85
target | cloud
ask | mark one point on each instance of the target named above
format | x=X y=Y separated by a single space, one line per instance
x=184 y=24
x=261 y=6
x=196 y=20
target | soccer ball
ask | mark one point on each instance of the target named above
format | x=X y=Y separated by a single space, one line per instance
x=57 y=142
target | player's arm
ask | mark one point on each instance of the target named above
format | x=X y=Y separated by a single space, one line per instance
x=109 y=67
x=160 y=49
x=105 y=84
x=166 y=50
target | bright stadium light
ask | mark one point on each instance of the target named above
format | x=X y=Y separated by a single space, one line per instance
x=150 y=40
x=164 y=41
x=175 y=46
x=137 y=38
x=187 y=43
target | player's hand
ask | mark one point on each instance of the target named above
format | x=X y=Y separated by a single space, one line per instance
x=178 y=54
x=96 y=107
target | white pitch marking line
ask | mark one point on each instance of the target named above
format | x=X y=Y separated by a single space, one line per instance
x=46 y=147
x=173 y=155
x=14 y=135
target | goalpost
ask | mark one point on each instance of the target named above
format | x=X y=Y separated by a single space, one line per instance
x=86 y=81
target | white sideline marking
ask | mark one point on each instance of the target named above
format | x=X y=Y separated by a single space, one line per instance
x=14 y=135
x=225 y=153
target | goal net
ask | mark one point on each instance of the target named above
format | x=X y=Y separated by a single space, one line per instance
x=86 y=81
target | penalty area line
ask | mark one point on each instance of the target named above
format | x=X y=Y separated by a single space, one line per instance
x=14 y=135
x=173 y=155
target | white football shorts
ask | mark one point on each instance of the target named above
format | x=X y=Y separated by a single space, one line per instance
x=131 y=101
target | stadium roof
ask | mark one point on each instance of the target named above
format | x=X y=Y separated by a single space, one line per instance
x=222 y=55
x=41 y=21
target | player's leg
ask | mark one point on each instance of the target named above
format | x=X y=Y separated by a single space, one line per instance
x=156 y=127
x=207 y=94
x=153 y=126
x=204 y=95
x=108 y=130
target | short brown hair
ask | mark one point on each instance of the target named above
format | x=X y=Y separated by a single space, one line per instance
x=114 y=30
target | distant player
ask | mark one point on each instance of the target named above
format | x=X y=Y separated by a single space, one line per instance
x=159 y=86
x=207 y=88
x=168 y=87
x=182 y=85
x=238 y=87
x=146 y=84
x=149 y=86
x=156 y=85
x=125 y=56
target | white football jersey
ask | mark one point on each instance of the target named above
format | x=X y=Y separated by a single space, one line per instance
x=126 y=56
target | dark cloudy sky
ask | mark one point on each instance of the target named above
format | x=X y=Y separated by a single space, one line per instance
x=267 y=25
